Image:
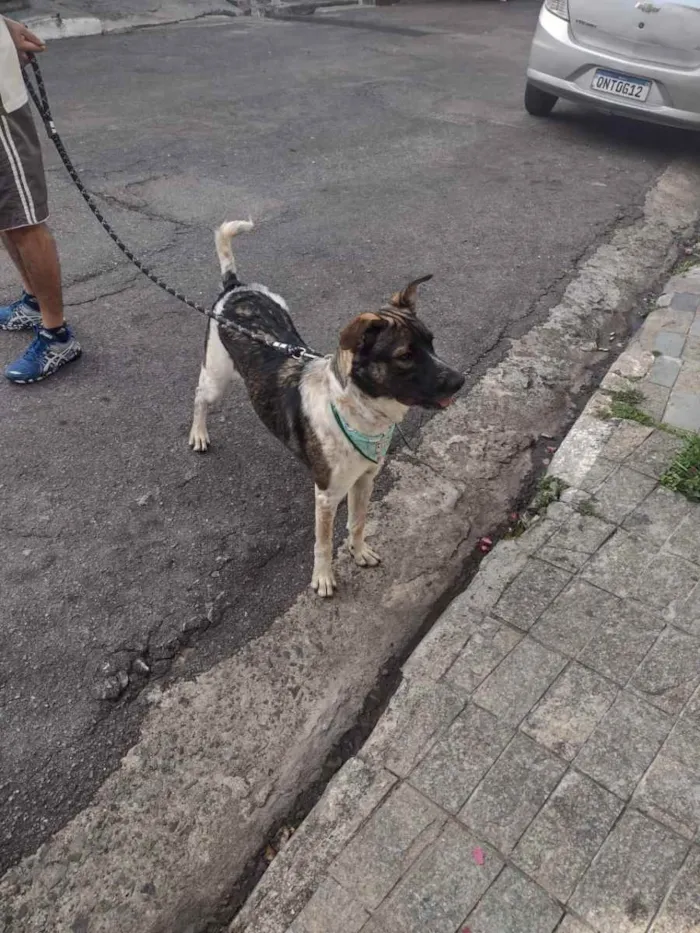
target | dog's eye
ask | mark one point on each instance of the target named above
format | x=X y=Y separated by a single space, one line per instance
x=405 y=356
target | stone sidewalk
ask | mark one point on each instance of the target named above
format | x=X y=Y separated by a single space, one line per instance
x=538 y=769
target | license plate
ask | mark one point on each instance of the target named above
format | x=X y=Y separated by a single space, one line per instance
x=611 y=82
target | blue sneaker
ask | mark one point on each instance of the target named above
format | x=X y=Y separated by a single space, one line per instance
x=47 y=353
x=22 y=314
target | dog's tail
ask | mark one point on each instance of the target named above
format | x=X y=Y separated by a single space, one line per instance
x=223 y=237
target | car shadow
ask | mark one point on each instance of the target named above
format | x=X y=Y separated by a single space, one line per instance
x=625 y=133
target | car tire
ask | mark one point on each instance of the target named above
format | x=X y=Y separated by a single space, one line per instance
x=538 y=103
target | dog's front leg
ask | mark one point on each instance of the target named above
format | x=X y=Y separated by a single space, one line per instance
x=323 y=579
x=358 y=503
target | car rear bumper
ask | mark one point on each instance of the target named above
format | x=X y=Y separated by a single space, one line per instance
x=560 y=66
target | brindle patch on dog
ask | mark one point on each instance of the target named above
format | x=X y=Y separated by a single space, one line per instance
x=273 y=379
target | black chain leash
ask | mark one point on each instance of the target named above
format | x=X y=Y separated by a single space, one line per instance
x=41 y=102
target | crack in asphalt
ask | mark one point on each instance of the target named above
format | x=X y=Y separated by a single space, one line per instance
x=87 y=301
x=142 y=209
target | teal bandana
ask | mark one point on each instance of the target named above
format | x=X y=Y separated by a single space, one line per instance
x=372 y=446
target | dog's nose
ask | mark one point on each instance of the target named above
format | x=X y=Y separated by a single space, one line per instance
x=453 y=381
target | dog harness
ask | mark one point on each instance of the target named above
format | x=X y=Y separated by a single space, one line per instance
x=372 y=446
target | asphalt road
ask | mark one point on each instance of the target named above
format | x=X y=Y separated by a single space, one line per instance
x=371 y=148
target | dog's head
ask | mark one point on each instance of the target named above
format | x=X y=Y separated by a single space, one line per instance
x=389 y=354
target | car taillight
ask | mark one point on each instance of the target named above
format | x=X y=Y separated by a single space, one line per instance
x=558 y=7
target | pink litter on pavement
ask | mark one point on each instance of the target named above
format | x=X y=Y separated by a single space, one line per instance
x=479 y=856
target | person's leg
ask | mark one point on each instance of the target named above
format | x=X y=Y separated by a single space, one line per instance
x=23 y=215
x=35 y=248
x=22 y=313
x=14 y=255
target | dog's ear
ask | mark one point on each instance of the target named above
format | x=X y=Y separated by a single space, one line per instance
x=361 y=332
x=406 y=299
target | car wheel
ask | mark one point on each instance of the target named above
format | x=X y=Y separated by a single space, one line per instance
x=538 y=103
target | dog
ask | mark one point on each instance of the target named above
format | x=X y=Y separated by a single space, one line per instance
x=337 y=413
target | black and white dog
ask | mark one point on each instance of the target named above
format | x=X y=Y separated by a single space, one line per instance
x=336 y=414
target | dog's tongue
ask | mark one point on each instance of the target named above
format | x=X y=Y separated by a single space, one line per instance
x=445 y=402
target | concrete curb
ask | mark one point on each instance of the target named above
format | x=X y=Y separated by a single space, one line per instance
x=221 y=759
x=427 y=700
x=52 y=26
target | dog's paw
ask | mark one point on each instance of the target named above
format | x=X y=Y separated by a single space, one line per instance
x=199 y=439
x=323 y=583
x=364 y=556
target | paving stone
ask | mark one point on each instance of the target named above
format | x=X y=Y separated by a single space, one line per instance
x=691 y=350
x=670 y=672
x=691 y=713
x=688 y=281
x=691 y=284
x=685 y=614
x=621 y=493
x=655 y=399
x=570 y=710
x=686 y=539
x=514 y=905
x=658 y=516
x=689 y=378
x=539 y=531
x=685 y=301
x=668 y=343
x=559 y=512
x=347 y=802
x=575 y=616
x=667 y=582
x=618 y=564
x=511 y=794
x=626 y=438
x=387 y=845
x=530 y=593
x=670 y=320
x=670 y=790
x=665 y=371
x=622 y=640
x=624 y=744
x=681 y=912
x=460 y=759
x=417 y=714
x=683 y=743
x=598 y=473
x=579 y=450
x=487 y=647
x=576 y=498
x=683 y=410
x=519 y=681
x=629 y=877
x=496 y=571
x=330 y=910
x=439 y=648
x=571 y=924
x=654 y=456
x=575 y=541
x=559 y=844
x=633 y=364
x=441 y=888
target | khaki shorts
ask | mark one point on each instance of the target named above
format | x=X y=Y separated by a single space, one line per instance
x=23 y=199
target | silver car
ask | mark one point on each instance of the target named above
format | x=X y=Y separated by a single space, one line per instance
x=640 y=58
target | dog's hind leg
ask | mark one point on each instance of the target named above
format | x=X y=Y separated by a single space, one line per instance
x=216 y=375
